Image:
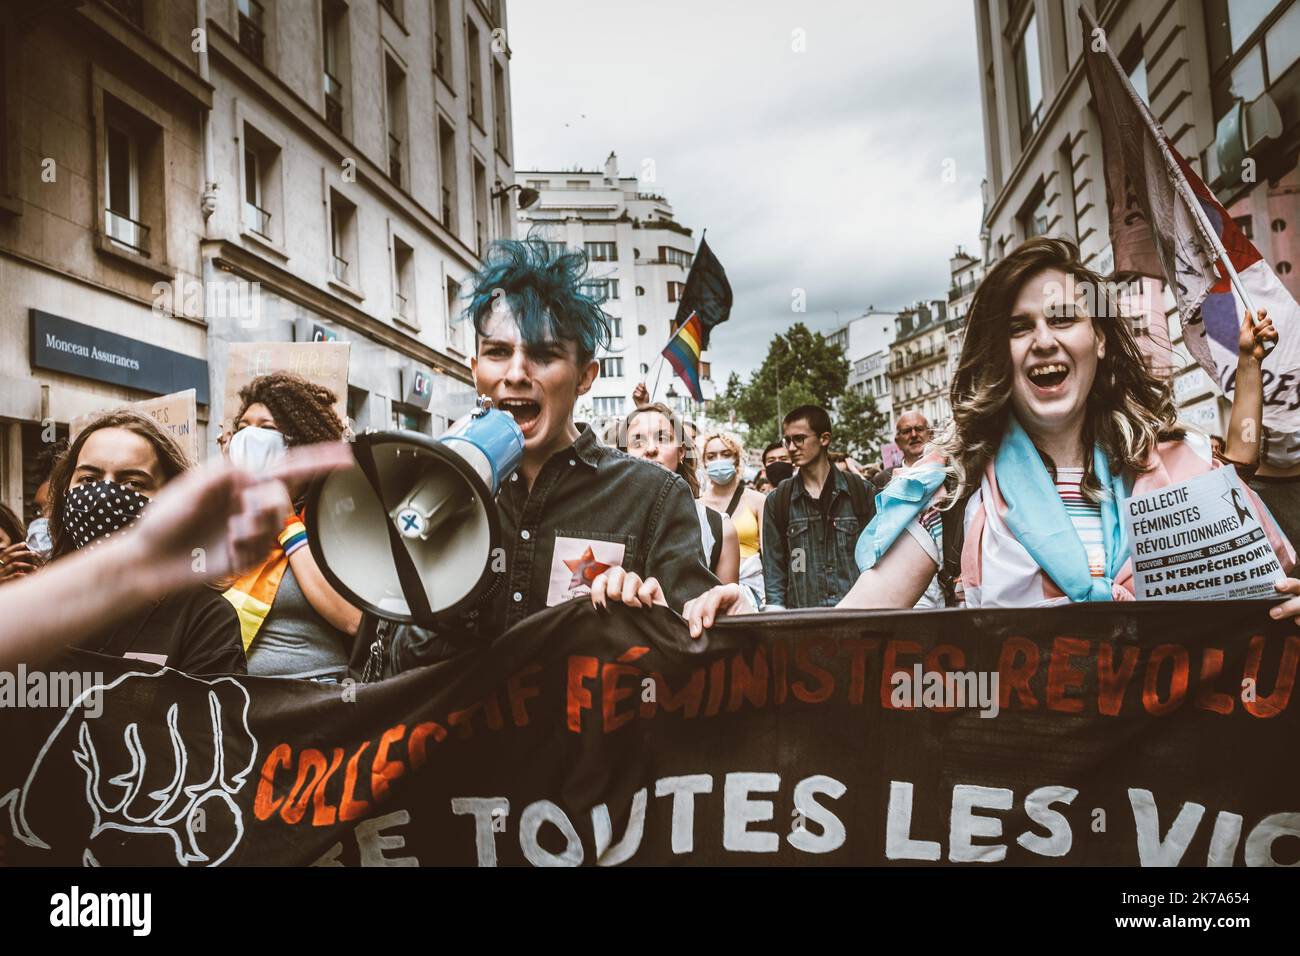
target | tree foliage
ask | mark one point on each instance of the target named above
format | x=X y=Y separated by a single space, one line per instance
x=801 y=368
x=859 y=423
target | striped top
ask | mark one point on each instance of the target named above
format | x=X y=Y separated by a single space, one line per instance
x=1085 y=515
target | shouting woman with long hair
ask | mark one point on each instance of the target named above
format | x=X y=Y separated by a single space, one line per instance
x=1056 y=419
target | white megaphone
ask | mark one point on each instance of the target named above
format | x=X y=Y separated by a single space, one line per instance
x=408 y=535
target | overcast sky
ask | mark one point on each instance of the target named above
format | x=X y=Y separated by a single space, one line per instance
x=819 y=170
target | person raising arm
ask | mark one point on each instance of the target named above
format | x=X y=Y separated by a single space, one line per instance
x=1056 y=419
x=228 y=515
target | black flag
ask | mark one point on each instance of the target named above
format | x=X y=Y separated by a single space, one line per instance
x=707 y=293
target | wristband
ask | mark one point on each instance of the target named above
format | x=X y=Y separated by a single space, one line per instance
x=293 y=537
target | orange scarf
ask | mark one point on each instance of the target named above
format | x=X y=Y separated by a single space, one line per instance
x=253 y=593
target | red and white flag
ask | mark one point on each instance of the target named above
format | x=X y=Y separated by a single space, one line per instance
x=1161 y=219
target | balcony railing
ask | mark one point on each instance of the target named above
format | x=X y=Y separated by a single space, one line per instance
x=394 y=159
x=400 y=304
x=959 y=289
x=340 y=268
x=670 y=224
x=257 y=219
x=910 y=359
x=128 y=232
x=480 y=237
x=446 y=207
x=250 y=30
x=333 y=103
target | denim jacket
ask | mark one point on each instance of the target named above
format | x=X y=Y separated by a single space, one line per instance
x=810 y=563
x=591 y=506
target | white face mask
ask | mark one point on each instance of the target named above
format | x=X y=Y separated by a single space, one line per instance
x=38 y=536
x=256 y=449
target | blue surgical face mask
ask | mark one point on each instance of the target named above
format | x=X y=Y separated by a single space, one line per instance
x=721 y=471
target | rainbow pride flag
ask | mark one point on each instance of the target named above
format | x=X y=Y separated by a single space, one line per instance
x=683 y=354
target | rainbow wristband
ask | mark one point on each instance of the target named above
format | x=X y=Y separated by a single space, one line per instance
x=293 y=537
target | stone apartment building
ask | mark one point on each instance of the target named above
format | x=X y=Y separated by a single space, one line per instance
x=177 y=176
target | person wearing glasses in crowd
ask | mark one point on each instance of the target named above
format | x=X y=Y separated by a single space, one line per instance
x=912 y=434
x=1056 y=420
x=812 y=519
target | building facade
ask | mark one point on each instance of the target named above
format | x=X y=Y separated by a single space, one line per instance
x=1222 y=78
x=179 y=176
x=639 y=257
x=918 y=363
x=362 y=156
x=100 y=189
x=866 y=339
x=966 y=271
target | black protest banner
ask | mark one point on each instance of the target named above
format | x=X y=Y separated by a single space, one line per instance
x=1094 y=734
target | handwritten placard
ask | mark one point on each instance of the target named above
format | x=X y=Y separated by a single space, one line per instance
x=177 y=415
x=325 y=363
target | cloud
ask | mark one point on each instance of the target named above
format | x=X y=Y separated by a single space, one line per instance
x=819 y=170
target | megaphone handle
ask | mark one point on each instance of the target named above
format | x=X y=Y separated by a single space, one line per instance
x=407 y=575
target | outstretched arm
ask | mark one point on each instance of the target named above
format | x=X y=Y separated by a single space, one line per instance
x=897 y=581
x=205 y=525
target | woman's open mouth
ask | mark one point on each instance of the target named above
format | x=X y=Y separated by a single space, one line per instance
x=1048 y=378
x=524 y=411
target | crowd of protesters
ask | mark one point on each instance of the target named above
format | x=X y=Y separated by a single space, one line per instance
x=1055 y=418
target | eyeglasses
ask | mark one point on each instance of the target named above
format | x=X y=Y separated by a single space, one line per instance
x=789 y=440
x=918 y=429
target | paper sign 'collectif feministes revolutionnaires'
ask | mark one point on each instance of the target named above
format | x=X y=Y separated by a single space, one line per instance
x=1199 y=540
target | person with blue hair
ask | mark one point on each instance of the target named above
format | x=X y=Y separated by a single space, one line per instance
x=578 y=513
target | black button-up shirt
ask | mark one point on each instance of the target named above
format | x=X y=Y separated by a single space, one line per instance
x=589 y=496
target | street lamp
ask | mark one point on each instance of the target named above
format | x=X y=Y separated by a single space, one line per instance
x=527 y=196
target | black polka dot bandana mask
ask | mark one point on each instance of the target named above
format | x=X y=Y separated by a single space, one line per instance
x=95 y=512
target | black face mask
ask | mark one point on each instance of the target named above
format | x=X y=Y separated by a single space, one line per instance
x=95 y=512
x=778 y=471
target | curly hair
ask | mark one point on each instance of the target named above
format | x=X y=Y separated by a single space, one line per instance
x=544 y=291
x=172 y=458
x=303 y=411
x=689 y=460
x=1129 y=409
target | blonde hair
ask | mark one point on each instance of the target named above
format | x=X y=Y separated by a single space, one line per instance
x=1129 y=409
x=732 y=441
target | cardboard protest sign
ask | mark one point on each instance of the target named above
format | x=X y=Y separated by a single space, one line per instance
x=325 y=363
x=177 y=414
x=593 y=737
x=1198 y=541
